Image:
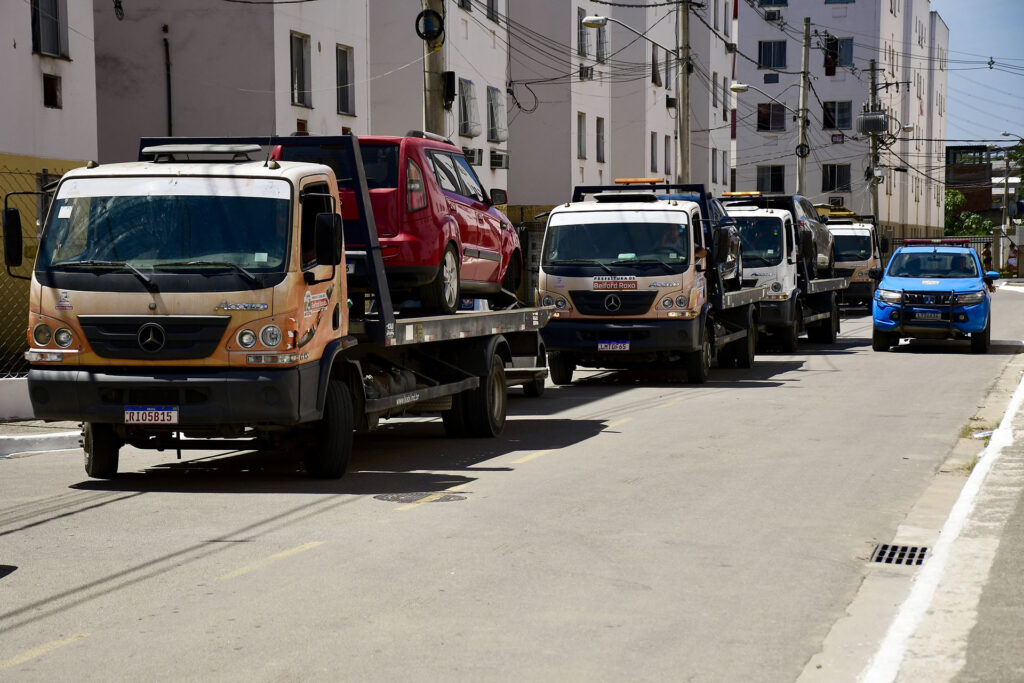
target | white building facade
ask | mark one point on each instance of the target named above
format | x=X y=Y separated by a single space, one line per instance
x=908 y=43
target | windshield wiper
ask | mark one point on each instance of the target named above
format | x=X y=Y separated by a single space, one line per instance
x=762 y=259
x=248 y=276
x=667 y=266
x=150 y=285
x=584 y=260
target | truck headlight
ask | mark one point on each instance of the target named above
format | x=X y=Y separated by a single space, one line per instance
x=561 y=304
x=271 y=336
x=247 y=339
x=548 y=300
x=889 y=296
x=682 y=301
x=63 y=337
x=970 y=297
x=41 y=334
x=667 y=302
x=776 y=286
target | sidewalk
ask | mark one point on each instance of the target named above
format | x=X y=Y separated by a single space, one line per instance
x=25 y=436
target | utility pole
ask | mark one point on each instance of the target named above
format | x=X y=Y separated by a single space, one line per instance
x=997 y=243
x=683 y=110
x=873 y=137
x=433 y=84
x=801 y=158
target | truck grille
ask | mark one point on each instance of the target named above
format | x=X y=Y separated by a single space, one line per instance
x=599 y=303
x=844 y=272
x=154 y=337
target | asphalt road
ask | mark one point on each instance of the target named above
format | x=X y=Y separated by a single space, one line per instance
x=628 y=527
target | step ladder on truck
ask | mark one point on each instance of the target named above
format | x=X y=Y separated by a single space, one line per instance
x=794 y=303
x=634 y=280
x=198 y=299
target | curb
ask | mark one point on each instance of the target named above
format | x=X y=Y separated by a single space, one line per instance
x=39 y=443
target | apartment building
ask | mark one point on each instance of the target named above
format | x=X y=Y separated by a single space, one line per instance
x=908 y=43
x=195 y=68
x=475 y=54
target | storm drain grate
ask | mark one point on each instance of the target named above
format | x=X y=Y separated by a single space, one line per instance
x=898 y=554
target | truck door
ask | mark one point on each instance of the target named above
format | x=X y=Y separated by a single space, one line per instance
x=318 y=299
x=792 y=235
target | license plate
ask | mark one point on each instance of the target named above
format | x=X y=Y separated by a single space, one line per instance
x=162 y=415
x=613 y=346
x=928 y=315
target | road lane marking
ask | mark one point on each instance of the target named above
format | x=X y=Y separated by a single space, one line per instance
x=531 y=456
x=886 y=663
x=273 y=558
x=619 y=423
x=673 y=402
x=40 y=651
x=431 y=498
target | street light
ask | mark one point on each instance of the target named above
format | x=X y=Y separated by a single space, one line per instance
x=744 y=87
x=682 y=56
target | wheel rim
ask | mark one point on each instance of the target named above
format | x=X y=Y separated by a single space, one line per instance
x=450 y=275
x=706 y=353
x=497 y=394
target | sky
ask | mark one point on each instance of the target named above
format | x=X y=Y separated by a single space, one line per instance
x=982 y=102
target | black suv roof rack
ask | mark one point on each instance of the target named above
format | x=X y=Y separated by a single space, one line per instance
x=428 y=135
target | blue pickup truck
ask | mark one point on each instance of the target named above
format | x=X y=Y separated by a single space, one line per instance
x=932 y=289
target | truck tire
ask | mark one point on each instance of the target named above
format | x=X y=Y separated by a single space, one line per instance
x=827 y=331
x=102 y=447
x=560 y=367
x=698 y=363
x=746 y=348
x=454 y=419
x=881 y=341
x=441 y=296
x=484 y=407
x=535 y=389
x=327 y=457
x=791 y=335
x=980 y=341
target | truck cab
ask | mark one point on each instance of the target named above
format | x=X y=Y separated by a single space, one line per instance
x=933 y=289
x=858 y=250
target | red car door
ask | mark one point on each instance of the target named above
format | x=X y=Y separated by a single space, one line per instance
x=460 y=207
x=488 y=238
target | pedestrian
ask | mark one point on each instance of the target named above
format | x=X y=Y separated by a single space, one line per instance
x=986 y=256
x=1011 y=261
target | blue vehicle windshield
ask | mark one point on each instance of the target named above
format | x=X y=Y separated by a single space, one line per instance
x=933 y=265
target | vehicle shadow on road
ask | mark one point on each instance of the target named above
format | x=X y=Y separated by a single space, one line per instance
x=402 y=457
x=1009 y=347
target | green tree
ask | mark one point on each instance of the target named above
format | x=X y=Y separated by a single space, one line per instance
x=960 y=222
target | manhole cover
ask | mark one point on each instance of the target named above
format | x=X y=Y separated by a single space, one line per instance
x=885 y=553
x=416 y=497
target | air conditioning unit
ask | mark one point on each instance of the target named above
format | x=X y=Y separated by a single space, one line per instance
x=499 y=159
x=475 y=157
x=670 y=102
x=731 y=47
x=773 y=15
x=586 y=72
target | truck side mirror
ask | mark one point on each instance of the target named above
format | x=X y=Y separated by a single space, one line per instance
x=328 y=239
x=875 y=273
x=499 y=197
x=12 y=238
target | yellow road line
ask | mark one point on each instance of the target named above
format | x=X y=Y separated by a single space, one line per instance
x=619 y=423
x=40 y=651
x=431 y=498
x=531 y=456
x=673 y=402
x=273 y=558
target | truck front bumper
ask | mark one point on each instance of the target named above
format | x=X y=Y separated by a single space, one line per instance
x=777 y=313
x=909 y=321
x=203 y=397
x=585 y=337
x=859 y=292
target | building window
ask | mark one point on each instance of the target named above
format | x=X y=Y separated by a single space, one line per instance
x=725 y=97
x=771 y=54
x=492 y=10
x=469 y=121
x=668 y=156
x=655 y=71
x=838 y=53
x=654 y=152
x=714 y=90
x=51 y=92
x=50 y=27
x=581 y=135
x=301 y=94
x=771 y=178
x=466 y=4
x=602 y=44
x=725 y=165
x=837 y=115
x=715 y=14
x=835 y=177
x=669 y=72
x=726 y=19
x=773 y=3
x=771 y=116
x=497 y=123
x=346 y=91
x=599 y=138
x=582 y=37
x=714 y=164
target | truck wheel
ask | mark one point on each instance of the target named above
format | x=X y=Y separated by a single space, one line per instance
x=560 y=367
x=454 y=419
x=791 y=340
x=698 y=363
x=485 y=405
x=101 y=447
x=442 y=295
x=827 y=331
x=980 y=341
x=881 y=341
x=746 y=348
x=327 y=457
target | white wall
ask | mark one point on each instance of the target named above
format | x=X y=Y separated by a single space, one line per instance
x=29 y=128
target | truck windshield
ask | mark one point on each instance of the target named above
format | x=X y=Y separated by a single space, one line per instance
x=933 y=265
x=236 y=224
x=762 y=240
x=853 y=247
x=632 y=244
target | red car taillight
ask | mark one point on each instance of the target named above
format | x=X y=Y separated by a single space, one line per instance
x=415 y=191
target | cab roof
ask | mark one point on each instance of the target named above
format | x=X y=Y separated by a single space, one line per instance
x=289 y=170
x=745 y=210
x=628 y=202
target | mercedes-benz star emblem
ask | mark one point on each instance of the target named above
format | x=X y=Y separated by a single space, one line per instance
x=151 y=338
x=612 y=302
